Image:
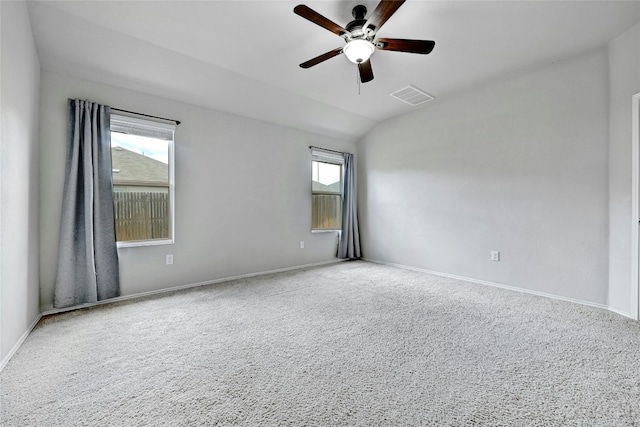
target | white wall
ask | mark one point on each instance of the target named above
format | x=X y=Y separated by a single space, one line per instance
x=518 y=166
x=624 y=76
x=20 y=76
x=243 y=199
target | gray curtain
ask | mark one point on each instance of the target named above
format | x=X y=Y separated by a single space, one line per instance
x=349 y=245
x=88 y=269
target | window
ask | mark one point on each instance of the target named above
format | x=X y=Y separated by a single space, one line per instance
x=143 y=181
x=326 y=190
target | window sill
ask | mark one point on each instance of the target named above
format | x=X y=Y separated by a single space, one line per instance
x=325 y=231
x=132 y=244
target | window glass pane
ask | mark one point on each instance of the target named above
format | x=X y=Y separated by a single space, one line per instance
x=326 y=177
x=141 y=185
x=326 y=195
x=325 y=211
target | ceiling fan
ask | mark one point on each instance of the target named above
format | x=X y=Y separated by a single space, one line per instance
x=360 y=35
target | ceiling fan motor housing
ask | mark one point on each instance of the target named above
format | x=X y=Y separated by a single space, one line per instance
x=355 y=27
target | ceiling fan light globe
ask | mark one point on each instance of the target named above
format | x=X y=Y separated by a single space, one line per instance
x=359 y=50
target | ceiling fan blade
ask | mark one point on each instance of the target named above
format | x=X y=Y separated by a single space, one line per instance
x=366 y=72
x=313 y=16
x=406 y=45
x=318 y=59
x=382 y=13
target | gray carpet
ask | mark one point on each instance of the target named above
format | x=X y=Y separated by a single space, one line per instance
x=353 y=343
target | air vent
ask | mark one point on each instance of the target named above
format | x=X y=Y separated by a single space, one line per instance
x=412 y=95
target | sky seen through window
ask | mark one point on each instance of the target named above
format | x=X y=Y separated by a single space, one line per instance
x=150 y=147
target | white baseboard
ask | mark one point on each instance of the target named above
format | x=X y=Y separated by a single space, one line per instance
x=622 y=313
x=15 y=348
x=500 y=285
x=50 y=310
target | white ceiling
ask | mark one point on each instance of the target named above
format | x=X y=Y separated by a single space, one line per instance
x=242 y=56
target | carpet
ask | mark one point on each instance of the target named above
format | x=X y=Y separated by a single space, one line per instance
x=353 y=343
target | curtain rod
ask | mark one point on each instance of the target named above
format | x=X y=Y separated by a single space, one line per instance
x=177 y=122
x=326 y=149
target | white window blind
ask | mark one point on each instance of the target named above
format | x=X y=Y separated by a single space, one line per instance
x=148 y=128
x=321 y=155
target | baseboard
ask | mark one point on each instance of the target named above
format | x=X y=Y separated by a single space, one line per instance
x=50 y=310
x=622 y=313
x=15 y=348
x=500 y=285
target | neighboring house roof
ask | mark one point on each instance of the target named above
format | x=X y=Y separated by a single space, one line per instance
x=133 y=167
x=335 y=187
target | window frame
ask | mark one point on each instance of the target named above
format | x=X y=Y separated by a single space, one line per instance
x=334 y=158
x=128 y=125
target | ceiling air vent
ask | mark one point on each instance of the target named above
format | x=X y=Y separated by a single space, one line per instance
x=412 y=95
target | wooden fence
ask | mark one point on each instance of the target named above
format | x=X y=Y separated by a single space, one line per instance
x=141 y=215
x=325 y=211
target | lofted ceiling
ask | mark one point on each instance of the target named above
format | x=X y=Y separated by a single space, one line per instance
x=242 y=56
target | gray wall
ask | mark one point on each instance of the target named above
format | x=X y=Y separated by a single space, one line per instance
x=624 y=75
x=243 y=201
x=20 y=82
x=519 y=166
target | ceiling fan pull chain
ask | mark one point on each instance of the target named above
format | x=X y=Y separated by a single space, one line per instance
x=358 y=80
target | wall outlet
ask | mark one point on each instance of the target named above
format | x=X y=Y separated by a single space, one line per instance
x=495 y=256
x=301 y=244
x=169 y=259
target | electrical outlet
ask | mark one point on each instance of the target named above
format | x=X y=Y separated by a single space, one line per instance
x=301 y=244
x=495 y=256
x=169 y=259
